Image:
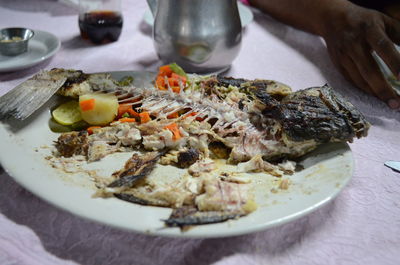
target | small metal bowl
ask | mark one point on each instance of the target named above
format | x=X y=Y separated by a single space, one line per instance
x=14 y=41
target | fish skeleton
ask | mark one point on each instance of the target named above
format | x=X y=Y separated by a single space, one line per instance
x=249 y=117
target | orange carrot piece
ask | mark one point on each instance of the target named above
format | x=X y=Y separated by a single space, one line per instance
x=88 y=104
x=91 y=128
x=176 y=134
x=127 y=120
x=144 y=117
x=165 y=70
x=160 y=82
x=133 y=113
x=191 y=114
x=124 y=108
x=194 y=114
x=173 y=81
x=173 y=115
x=176 y=89
x=176 y=76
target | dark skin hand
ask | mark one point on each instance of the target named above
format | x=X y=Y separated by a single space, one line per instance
x=351 y=34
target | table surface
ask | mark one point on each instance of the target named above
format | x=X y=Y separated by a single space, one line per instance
x=361 y=226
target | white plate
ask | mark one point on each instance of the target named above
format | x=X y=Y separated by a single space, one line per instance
x=42 y=46
x=246 y=16
x=326 y=171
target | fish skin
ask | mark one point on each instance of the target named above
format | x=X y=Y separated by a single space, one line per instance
x=188 y=216
x=72 y=143
x=188 y=157
x=316 y=113
x=132 y=198
x=135 y=168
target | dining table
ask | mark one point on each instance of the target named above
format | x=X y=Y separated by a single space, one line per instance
x=360 y=226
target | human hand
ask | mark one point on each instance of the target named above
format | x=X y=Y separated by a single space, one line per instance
x=351 y=34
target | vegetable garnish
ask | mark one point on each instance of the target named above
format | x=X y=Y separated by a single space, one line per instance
x=144 y=117
x=125 y=81
x=88 y=104
x=178 y=70
x=133 y=113
x=179 y=77
x=160 y=82
x=176 y=89
x=98 y=108
x=92 y=128
x=171 y=75
x=173 y=115
x=173 y=127
x=165 y=70
x=127 y=120
x=67 y=113
x=123 y=108
x=194 y=114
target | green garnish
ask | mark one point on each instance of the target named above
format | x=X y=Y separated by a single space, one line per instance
x=125 y=81
x=177 y=69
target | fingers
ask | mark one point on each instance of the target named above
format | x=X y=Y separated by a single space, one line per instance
x=349 y=70
x=393 y=29
x=370 y=72
x=385 y=48
x=351 y=73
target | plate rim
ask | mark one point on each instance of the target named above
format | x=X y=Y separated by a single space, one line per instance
x=37 y=60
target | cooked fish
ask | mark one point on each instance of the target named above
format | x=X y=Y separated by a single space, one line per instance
x=251 y=123
x=249 y=118
x=186 y=158
x=135 y=168
x=72 y=143
x=189 y=216
x=133 y=199
x=102 y=142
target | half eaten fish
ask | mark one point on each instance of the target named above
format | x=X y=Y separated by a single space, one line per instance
x=251 y=123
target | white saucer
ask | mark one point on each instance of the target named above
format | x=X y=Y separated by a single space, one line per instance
x=42 y=46
x=246 y=16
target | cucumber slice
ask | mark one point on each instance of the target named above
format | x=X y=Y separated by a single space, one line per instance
x=67 y=113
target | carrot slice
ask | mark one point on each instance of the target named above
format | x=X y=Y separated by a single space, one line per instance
x=127 y=120
x=165 y=70
x=176 y=89
x=176 y=134
x=173 y=115
x=87 y=105
x=173 y=81
x=194 y=114
x=191 y=114
x=91 y=128
x=124 y=108
x=144 y=117
x=176 y=76
x=133 y=113
x=160 y=82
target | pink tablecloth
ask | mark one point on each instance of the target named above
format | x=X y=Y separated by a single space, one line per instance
x=361 y=226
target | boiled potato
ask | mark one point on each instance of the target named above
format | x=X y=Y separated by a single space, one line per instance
x=98 y=108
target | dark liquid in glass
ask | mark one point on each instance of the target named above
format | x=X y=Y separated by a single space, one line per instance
x=101 y=26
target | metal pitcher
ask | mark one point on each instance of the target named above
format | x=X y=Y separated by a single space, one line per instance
x=202 y=36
